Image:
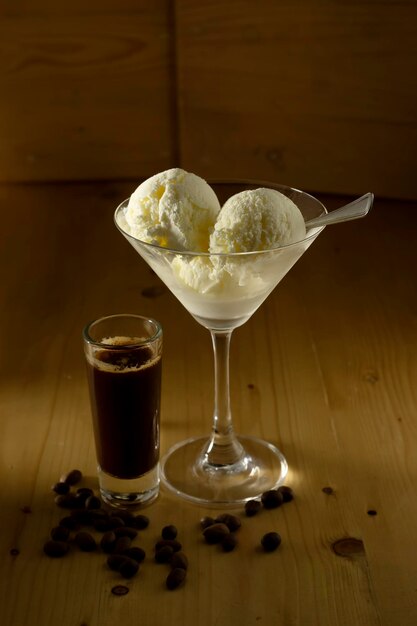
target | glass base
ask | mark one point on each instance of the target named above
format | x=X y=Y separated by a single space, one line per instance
x=185 y=472
x=129 y=493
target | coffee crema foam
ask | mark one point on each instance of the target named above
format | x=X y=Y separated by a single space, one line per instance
x=122 y=365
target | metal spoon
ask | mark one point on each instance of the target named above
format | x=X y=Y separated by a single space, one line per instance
x=352 y=211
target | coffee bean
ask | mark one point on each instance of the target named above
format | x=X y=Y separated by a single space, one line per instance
x=114 y=561
x=116 y=522
x=122 y=544
x=207 y=521
x=61 y=488
x=229 y=542
x=69 y=522
x=272 y=499
x=85 y=541
x=287 y=493
x=102 y=525
x=136 y=553
x=215 y=533
x=92 y=502
x=72 y=478
x=169 y=532
x=99 y=514
x=141 y=522
x=175 y=578
x=232 y=522
x=179 y=559
x=252 y=507
x=84 y=490
x=83 y=517
x=60 y=533
x=164 y=554
x=55 y=549
x=129 y=568
x=119 y=590
x=127 y=517
x=270 y=541
x=82 y=494
x=125 y=531
x=173 y=543
x=108 y=541
x=66 y=501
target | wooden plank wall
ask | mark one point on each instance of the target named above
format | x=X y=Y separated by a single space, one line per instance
x=319 y=94
x=85 y=92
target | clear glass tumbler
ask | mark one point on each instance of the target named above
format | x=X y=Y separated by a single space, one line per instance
x=124 y=361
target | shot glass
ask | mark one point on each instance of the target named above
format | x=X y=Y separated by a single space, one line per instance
x=124 y=362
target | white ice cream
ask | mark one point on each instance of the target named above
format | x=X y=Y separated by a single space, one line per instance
x=173 y=209
x=258 y=219
x=180 y=211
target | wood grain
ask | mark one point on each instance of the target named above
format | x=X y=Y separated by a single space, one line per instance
x=320 y=96
x=326 y=369
x=86 y=97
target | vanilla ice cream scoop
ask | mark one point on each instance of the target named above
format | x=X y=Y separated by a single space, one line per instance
x=173 y=209
x=258 y=219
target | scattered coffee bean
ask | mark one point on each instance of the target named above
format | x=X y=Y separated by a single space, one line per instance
x=270 y=541
x=114 y=561
x=164 y=554
x=272 y=499
x=55 y=549
x=72 y=478
x=14 y=552
x=83 y=517
x=287 y=493
x=229 y=542
x=84 y=491
x=82 y=496
x=179 y=559
x=175 y=578
x=127 y=517
x=116 y=522
x=136 y=553
x=232 y=522
x=206 y=521
x=215 y=533
x=85 y=541
x=61 y=488
x=93 y=502
x=102 y=525
x=122 y=544
x=99 y=514
x=66 y=501
x=119 y=590
x=169 y=532
x=108 y=541
x=60 y=533
x=173 y=543
x=252 y=507
x=129 y=568
x=141 y=522
x=69 y=522
x=126 y=531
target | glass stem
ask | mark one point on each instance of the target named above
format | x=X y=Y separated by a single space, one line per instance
x=223 y=448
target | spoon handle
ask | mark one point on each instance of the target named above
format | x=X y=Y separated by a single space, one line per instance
x=352 y=211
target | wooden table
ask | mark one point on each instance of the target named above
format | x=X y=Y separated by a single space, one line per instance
x=326 y=369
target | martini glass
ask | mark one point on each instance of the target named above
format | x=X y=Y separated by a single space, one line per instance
x=222 y=291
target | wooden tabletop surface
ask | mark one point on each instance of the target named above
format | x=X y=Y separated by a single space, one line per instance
x=326 y=369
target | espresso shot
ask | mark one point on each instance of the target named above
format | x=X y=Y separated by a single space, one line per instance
x=124 y=377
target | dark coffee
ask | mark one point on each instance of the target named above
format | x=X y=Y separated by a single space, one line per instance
x=125 y=396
